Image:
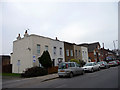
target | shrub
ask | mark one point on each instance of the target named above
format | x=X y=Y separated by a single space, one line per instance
x=45 y=60
x=74 y=60
x=82 y=62
x=34 y=71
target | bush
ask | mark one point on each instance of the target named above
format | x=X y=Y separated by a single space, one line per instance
x=45 y=60
x=74 y=60
x=34 y=71
x=82 y=63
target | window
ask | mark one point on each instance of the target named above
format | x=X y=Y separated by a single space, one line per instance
x=46 y=48
x=67 y=52
x=54 y=50
x=71 y=52
x=94 y=53
x=61 y=51
x=77 y=65
x=38 y=49
x=76 y=53
x=83 y=53
x=72 y=65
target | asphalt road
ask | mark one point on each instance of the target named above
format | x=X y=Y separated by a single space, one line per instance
x=105 y=78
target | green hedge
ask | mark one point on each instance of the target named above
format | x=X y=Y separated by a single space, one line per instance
x=34 y=71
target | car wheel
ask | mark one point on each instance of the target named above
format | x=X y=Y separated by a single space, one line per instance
x=92 y=70
x=60 y=76
x=71 y=75
x=99 y=69
x=106 y=67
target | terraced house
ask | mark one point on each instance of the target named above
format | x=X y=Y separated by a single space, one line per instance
x=80 y=53
x=94 y=52
x=26 y=51
x=73 y=51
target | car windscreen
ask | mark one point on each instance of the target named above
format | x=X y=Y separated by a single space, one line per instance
x=99 y=62
x=89 y=64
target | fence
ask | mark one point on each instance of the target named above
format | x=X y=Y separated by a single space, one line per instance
x=7 y=68
x=53 y=70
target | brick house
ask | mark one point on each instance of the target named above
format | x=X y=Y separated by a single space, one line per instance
x=107 y=54
x=68 y=51
x=94 y=52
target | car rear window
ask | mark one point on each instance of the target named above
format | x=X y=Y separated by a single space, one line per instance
x=62 y=66
x=65 y=65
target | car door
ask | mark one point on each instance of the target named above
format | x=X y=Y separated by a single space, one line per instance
x=73 y=68
x=78 y=68
x=95 y=66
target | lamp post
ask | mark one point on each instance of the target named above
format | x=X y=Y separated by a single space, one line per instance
x=114 y=44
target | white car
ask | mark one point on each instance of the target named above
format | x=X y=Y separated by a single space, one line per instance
x=91 y=66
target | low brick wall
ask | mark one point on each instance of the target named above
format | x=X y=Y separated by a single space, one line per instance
x=53 y=70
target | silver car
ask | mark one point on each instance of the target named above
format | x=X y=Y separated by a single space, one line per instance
x=91 y=66
x=69 y=69
x=103 y=64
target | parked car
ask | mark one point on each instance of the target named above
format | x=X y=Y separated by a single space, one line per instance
x=103 y=64
x=91 y=66
x=69 y=69
x=113 y=63
x=118 y=62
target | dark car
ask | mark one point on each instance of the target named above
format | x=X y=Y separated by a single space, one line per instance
x=103 y=64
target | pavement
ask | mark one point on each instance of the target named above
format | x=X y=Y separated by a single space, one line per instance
x=6 y=80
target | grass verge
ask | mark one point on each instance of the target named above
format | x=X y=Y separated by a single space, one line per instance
x=11 y=74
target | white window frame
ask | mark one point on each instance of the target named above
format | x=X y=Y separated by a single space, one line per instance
x=38 y=49
x=54 y=50
x=60 y=51
x=46 y=48
x=67 y=52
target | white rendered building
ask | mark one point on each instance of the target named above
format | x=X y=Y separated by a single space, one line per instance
x=26 y=51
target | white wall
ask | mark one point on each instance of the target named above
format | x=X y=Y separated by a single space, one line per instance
x=84 y=55
x=21 y=52
x=42 y=41
x=58 y=45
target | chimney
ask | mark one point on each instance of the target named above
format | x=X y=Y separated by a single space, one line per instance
x=26 y=34
x=103 y=45
x=56 y=38
x=18 y=38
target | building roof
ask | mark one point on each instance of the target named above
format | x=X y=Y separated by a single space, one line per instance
x=91 y=46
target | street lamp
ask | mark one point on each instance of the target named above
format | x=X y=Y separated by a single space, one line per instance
x=114 y=44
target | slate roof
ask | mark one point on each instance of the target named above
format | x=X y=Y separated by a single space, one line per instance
x=91 y=46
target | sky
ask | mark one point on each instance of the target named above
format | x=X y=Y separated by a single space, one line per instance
x=71 y=21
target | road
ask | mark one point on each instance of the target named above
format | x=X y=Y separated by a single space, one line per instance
x=105 y=78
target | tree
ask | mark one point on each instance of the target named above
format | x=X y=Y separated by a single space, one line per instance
x=45 y=60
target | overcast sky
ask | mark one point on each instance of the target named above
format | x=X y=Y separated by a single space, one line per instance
x=75 y=22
